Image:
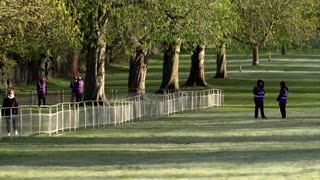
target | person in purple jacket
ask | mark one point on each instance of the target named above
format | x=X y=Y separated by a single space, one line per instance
x=42 y=91
x=282 y=99
x=79 y=89
x=259 y=92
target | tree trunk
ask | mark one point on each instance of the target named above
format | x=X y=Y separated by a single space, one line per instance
x=255 y=54
x=95 y=73
x=73 y=63
x=283 y=50
x=96 y=55
x=138 y=72
x=269 y=55
x=196 y=76
x=170 y=71
x=95 y=68
x=27 y=73
x=221 y=71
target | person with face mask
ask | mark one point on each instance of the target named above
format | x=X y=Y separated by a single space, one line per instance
x=258 y=92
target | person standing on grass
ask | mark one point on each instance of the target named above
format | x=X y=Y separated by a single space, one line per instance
x=282 y=99
x=79 y=89
x=42 y=91
x=73 y=87
x=259 y=92
x=9 y=111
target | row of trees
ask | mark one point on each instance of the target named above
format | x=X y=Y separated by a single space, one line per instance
x=44 y=37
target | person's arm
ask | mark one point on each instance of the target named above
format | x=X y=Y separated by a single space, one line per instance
x=16 y=105
x=279 y=96
x=3 y=106
x=255 y=91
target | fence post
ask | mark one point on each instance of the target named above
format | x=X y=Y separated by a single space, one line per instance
x=85 y=114
x=70 y=116
x=50 y=118
x=39 y=112
x=30 y=115
x=57 y=120
x=62 y=120
x=62 y=95
x=11 y=124
x=20 y=122
x=76 y=115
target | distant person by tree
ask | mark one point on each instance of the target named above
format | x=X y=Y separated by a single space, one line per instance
x=259 y=92
x=42 y=91
x=73 y=88
x=9 y=111
x=79 y=89
x=282 y=99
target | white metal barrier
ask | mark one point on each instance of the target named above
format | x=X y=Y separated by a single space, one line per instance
x=94 y=114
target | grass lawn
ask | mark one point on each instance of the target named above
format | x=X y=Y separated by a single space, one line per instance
x=224 y=143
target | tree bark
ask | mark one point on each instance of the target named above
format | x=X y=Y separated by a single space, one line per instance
x=283 y=50
x=95 y=73
x=95 y=68
x=73 y=63
x=269 y=55
x=196 y=76
x=138 y=72
x=255 y=55
x=221 y=71
x=170 y=71
x=96 y=54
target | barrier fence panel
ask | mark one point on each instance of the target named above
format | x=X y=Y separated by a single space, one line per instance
x=66 y=116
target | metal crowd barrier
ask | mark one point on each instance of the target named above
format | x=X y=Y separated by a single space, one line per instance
x=54 y=119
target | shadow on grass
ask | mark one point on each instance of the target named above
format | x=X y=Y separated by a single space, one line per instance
x=82 y=158
x=183 y=140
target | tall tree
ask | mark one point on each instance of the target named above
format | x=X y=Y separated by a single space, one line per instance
x=137 y=30
x=31 y=31
x=221 y=70
x=93 y=18
x=197 y=77
x=274 y=20
x=214 y=21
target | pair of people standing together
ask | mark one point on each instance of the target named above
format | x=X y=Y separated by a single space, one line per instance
x=259 y=92
x=76 y=86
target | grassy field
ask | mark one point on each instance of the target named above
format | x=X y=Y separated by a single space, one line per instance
x=224 y=143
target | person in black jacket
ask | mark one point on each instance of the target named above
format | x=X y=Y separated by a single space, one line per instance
x=9 y=111
x=259 y=92
x=282 y=99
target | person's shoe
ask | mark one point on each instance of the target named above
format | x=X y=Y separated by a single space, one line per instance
x=264 y=117
x=9 y=134
x=16 y=133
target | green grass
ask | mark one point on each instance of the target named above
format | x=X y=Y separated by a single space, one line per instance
x=224 y=143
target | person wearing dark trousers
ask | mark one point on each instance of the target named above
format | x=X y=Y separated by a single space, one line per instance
x=42 y=91
x=259 y=93
x=73 y=86
x=9 y=111
x=282 y=99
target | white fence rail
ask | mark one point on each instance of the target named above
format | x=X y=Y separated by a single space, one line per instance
x=94 y=114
